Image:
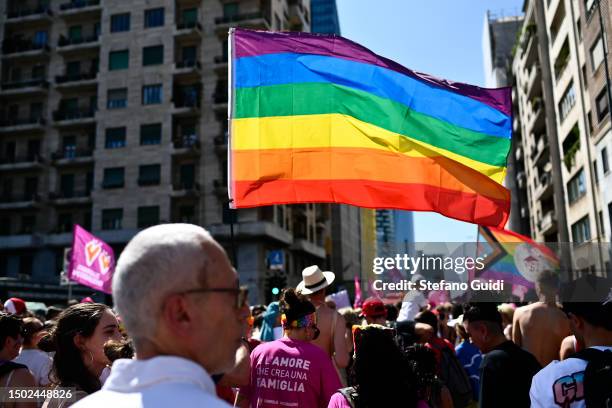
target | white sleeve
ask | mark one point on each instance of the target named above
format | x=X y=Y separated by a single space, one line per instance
x=536 y=397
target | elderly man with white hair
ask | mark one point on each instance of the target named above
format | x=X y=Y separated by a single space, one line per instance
x=181 y=303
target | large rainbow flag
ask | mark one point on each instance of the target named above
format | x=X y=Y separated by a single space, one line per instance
x=317 y=118
x=513 y=257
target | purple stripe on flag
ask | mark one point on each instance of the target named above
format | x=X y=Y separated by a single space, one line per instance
x=508 y=278
x=251 y=43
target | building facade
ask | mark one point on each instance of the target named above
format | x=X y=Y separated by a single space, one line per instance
x=113 y=115
x=553 y=117
x=325 y=17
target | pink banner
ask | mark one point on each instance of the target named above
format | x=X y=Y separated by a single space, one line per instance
x=92 y=261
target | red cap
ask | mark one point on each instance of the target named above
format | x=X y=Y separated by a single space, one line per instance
x=373 y=307
x=15 y=306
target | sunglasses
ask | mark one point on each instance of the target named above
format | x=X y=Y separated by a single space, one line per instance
x=241 y=293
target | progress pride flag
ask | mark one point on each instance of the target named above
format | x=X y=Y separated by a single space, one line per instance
x=92 y=262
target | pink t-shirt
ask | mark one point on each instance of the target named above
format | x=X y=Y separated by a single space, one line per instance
x=291 y=373
x=339 y=401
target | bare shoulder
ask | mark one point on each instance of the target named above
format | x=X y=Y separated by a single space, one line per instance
x=23 y=377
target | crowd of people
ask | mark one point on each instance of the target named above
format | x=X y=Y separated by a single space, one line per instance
x=181 y=333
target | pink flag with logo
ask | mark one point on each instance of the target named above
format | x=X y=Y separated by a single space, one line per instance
x=92 y=261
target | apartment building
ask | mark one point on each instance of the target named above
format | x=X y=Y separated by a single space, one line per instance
x=113 y=115
x=595 y=18
x=553 y=112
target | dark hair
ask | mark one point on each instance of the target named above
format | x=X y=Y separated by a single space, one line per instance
x=52 y=312
x=485 y=312
x=68 y=369
x=595 y=313
x=10 y=326
x=295 y=305
x=423 y=365
x=380 y=370
x=428 y=317
x=116 y=349
x=31 y=326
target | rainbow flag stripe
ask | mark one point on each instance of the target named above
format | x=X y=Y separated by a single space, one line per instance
x=317 y=118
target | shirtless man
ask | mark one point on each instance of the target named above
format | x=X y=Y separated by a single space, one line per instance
x=331 y=323
x=541 y=326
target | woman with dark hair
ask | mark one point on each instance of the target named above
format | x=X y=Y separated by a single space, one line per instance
x=79 y=338
x=430 y=388
x=37 y=361
x=380 y=374
x=291 y=371
x=12 y=374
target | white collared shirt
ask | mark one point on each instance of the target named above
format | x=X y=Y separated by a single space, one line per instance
x=163 y=381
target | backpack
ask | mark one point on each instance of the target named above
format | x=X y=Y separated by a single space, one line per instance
x=350 y=394
x=453 y=375
x=597 y=377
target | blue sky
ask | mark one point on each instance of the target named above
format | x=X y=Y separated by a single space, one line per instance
x=442 y=38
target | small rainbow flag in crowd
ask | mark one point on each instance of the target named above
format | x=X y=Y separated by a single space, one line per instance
x=318 y=118
x=513 y=257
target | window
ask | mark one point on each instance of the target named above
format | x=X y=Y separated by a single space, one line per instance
x=576 y=187
x=150 y=134
x=28 y=223
x=73 y=69
x=120 y=22
x=567 y=101
x=112 y=218
x=601 y=103
x=230 y=10
x=113 y=177
x=604 y=160
x=64 y=222
x=151 y=94
x=75 y=33
x=190 y=55
x=187 y=172
x=581 y=231
x=115 y=138
x=41 y=38
x=148 y=216
x=597 y=53
x=118 y=60
x=154 y=17
x=116 y=98
x=149 y=174
x=153 y=55
x=38 y=72
x=186 y=214
x=190 y=17
x=67 y=185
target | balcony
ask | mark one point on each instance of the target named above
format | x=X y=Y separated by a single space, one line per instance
x=22 y=124
x=18 y=201
x=188 y=30
x=68 y=117
x=221 y=144
x=30 y=86
x=22 y=48
x=531 y=52
x=221 y=64
x=220 y=100
x=72 y=156
x=541 y=151
x=548 y=223
x=188 y=68
x=185 y=189
x=518 y=153
x=545 y=188
x=83 y=79
x=70 y=197
x=77 y=7
x=26 y=15
x=297 y=14
x=220 y=188
x=187 y=145
x=186 y=105
x=534 y=82
x=246 y=20
x=521 y=180
x=66 y=44
x=303 y=245
x=28 y=162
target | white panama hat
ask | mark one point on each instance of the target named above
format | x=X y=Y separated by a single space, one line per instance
x=314 y=279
